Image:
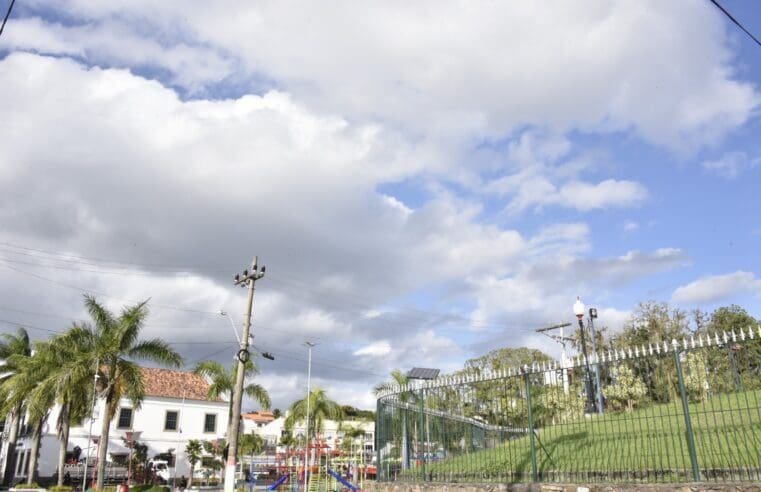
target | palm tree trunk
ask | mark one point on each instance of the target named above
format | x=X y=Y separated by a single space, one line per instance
x=63 y=439
x=35 y=451
x=103 y=447
x=10 y=455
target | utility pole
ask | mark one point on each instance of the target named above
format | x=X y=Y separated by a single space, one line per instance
x=246 y=279
x=561 y=339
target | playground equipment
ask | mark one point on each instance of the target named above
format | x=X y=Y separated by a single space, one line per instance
x=330 y=470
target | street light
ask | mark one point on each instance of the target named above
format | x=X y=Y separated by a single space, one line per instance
x=578 y=310
x=222 y=312
x=310 y=345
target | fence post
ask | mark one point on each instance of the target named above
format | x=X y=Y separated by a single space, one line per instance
x=421 y=433
x=534 y=474
x=686 y=411
x=378 y=427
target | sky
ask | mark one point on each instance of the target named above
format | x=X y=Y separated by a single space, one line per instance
x=424 y=181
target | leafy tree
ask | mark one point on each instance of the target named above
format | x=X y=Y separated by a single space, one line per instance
x=115 y=344
x=655 y=322
x=194 y=451
x=11 y=345
x=628 y=390
x=553 y=406
x=695 y=376
x=277 y=413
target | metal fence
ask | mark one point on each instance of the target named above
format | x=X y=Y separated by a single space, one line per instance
x=671 y=412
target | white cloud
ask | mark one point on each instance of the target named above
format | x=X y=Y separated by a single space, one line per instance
x=443 y=71
x=731 y=164
x=631 y=226
x=718 y=287
x=538 y=192
x=380 y=348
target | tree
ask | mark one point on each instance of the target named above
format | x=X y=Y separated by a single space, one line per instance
x=23 y=390
x=223 y=384
x=251 y=444
x=69 y=382
x=277 y=413
x=194 y=451
x=650 y=323
x=627 y=391
x=223 y=381
x=321 y=408
x=115 y=344
x=12 y=345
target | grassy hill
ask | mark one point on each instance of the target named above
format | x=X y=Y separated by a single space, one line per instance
x=647 y=444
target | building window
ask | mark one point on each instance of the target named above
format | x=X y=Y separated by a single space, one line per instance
x=125 y=418
x=210 y=423
x=170 y=420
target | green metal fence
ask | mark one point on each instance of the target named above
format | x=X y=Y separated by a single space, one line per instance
x=672 y=412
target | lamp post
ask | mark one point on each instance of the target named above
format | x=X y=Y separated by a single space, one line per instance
x=423 y=374
x=592 y=317
x=223 y=313
x=309 y=391
x=578 y=310
x=92 y=419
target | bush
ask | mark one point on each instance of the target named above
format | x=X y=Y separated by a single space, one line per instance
x=24 y=486
x=61 y=488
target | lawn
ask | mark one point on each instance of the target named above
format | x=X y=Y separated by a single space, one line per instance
x=647 y=444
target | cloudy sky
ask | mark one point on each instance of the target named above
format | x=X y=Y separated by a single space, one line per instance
x=424 y=181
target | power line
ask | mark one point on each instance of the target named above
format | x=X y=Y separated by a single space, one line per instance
x=737 y=23
x=7 y=14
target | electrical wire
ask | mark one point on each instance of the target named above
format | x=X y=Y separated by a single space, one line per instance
x=737 y=23
x=7 y=14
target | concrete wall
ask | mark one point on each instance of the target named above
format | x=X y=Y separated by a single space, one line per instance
x=446 y=487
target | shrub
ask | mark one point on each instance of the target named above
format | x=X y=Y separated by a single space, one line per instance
x=628 y=391
x=25 y=486
x=61 y=488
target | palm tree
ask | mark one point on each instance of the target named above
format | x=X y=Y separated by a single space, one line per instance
x=12 y=345
x=24 y=390
x=69 y=383
x=321 y=408
x=194 y=451
x=114 y=341
x=223 y=381
x=399 y=379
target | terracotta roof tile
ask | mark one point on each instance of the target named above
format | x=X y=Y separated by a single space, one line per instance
x=167 y=383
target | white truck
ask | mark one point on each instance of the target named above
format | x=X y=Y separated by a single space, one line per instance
x=117 y=473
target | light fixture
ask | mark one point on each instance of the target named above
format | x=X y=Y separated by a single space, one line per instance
x=578 y=308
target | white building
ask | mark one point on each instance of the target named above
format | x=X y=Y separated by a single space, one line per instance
x=333 y=432
x=174 y=411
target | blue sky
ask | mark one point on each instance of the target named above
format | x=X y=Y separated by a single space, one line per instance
x=424 y=182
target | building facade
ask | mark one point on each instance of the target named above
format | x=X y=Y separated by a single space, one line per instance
x=175 y=410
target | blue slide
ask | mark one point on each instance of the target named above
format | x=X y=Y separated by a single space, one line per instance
x=278 y=483
x=341 y=479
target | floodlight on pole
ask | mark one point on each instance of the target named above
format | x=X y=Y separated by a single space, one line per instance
x=423 y=374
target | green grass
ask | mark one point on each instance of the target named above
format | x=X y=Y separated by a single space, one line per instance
x=647 y=444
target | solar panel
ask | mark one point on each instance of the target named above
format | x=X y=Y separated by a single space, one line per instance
x=423 y=373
